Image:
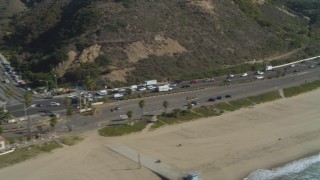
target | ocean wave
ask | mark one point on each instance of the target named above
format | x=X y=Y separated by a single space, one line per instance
x=293 y=167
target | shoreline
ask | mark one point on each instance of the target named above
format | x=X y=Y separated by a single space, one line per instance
x=283 y=164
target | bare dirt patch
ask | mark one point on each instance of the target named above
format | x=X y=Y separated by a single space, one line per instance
x=119 y=75
x=160 y=46
x=205 y=5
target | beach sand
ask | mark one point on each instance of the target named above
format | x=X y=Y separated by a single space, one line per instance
x=226 y=147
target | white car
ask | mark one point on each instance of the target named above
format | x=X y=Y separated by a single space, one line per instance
x=54 y=104
x=244 y=75
x=151 y=87
x=259 y=77
x=260 y=72
x=231 y=76
x=142 y=89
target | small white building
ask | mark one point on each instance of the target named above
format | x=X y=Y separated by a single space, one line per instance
x=2 y=145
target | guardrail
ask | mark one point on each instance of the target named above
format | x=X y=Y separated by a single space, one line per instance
x=303 y=60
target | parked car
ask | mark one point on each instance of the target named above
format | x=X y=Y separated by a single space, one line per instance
x=54 y=104
x=54 y=115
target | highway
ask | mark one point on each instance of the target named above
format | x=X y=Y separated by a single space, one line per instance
x=238 y=87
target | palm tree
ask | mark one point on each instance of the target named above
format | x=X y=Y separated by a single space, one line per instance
x=165 y=104
x=53 y=122
x=130 y=114
x=67 y=102
x=27 y=103
x=141 y=105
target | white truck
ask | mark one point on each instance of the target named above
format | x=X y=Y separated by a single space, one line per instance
x=269 y=68
x=102 y=92
x=150 y=82
x=133 y=87
x=163 y=88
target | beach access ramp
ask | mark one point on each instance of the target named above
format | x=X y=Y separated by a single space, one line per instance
x=166 y=171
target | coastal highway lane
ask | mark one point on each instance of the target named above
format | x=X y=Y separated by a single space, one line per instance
x=153 y=105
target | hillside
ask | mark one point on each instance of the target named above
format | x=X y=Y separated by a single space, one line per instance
x=128 y=41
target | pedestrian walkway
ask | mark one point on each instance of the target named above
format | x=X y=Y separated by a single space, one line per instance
x=164 y=170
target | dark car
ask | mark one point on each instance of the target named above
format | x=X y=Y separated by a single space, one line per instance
x=39 y=105
x=211 y=99
x=228 y=96
x=220 y=98
x=193 y=103
x=185 y=86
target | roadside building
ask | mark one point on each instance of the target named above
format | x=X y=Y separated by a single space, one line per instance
x=2 y=145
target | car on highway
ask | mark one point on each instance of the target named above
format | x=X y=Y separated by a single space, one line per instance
x=39 y=105
x=211 y=99
x=186 y=86
x=231 y=76
x=150 y=87
x=54 y=104
x=117 y=108
x=220 y=97
x=194 y=103
x=142 y=89
x=194 y=81
x=173 y=85
x=228 y=96
x=259 y=77
x=260 y=72
x=244 y=75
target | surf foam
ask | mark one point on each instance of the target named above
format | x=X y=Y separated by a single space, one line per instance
x=293 y=167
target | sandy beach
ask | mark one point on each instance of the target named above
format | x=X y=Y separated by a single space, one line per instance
x=227 y=147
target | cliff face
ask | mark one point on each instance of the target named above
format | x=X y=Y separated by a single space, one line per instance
x=157 y=39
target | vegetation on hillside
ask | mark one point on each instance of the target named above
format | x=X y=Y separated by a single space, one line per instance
x=236 y=31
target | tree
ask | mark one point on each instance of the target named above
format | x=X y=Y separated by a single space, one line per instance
x=165 y=104
x=130 y=114
x=27 y=103
x=9 y=93
x=53 y=122
x=141 y=105
x=90 y=83
x=1 y=131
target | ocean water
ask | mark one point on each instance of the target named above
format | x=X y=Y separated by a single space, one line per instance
x=303 y=169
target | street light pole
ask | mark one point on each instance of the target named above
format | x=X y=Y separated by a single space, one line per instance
x=55 y=78
x=46 y=84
